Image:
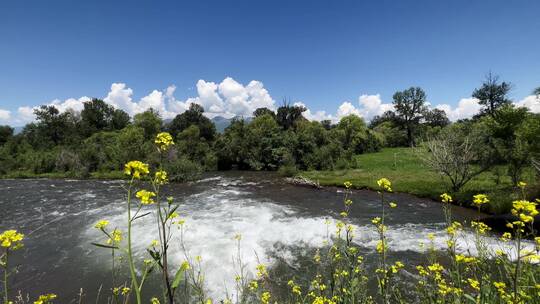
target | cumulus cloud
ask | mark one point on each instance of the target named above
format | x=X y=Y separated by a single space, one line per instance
x=466 y=108
x=532 y=102
x=5 y=115
x=231 y=98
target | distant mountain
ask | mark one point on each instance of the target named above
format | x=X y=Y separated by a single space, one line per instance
x=222 y=122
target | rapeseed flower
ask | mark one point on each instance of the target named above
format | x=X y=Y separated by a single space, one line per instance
x=163 y=141
x=101 y=224
x=44 y=299
x=160 y=177
x=446 y=198
x=145 y=197
x=136 y=168
x=11 y=239
x=385 y=184
x=480 y=199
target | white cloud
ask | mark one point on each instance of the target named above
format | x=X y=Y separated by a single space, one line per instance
x=318 y=115
x=372 y=105
x=230 y=98
x=5 y=115
x=466 y=108
x=532 y=102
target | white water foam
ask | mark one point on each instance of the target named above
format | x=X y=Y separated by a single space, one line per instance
x=214 y=217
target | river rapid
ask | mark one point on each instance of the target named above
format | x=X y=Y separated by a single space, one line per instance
x=278 y=222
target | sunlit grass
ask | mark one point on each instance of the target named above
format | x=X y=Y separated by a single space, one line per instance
x=409 y=174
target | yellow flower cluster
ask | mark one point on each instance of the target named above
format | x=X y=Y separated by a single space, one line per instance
x=446 y=198
x=385 y=184
x=525 y=210
x=295 y=289
x=163 y=141
x=465 y=259
x=136 y=169
x=480 y=227
x=116 y=237
x=474 y=284
x=347 y=184
x=261 y=271
x=160 y=177
x=44 y=299
x=154 y=301
x=265 y=297
x=101 y=224
x=145 y=197
x=11 y=239
x=480 y=199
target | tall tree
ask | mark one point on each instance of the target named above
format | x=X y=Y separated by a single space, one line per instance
x=410 y=105
x=149 y=121
x=52 y=126
x=288 y=114
x=6 y=132
x=193 y=116
x=537 y=92
x=492 y=94
x=263 y=111
x=436 y=118
x=97 y=115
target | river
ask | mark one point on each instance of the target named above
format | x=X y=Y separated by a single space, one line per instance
x=278 y=222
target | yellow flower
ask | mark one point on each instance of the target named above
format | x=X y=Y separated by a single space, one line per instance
x=116 y=237
x=347 y=184
x=521 y=184
x=265 y=297
x=44 y=299
x=154 y=301
x=385 y=184
x=185 y=266
x=465 y=259
x=11 y=239
x=480 y=199
x=506 y=236
x=136 y=168
x=474 y=283
x=101 y=224
x=125 y=290
x=253 y=285
x=525 y=210
x=446 y=198
x=160 y=177
x=163 y=141
x=344 y=214
x=393 y=205
x=261 y=270
x=145 y=197
x=154 y=243
x=436 y=267
x=381 y=246
x=480 y=227
x=376 y=220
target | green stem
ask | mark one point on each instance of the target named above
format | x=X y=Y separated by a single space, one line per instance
x=6 y=277
x=130 y=253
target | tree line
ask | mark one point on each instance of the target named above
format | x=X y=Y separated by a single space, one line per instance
x=101 y=138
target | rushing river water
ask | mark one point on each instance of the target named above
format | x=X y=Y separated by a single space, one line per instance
x=277 y=221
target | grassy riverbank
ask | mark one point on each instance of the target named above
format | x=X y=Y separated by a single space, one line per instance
x=408 y=174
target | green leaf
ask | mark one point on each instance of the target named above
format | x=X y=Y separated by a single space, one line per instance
x=177 y=278
x=105 y=246
x=139 y=216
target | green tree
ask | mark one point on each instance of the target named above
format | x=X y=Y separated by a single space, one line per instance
x=231 y=147
x=149 y=121
x=287 y=115
x=97 y=115
x=6 y=132
x=193 y=116
x=436 y=118
x=52 y=127
x=492 y=94
x=410 y=106
x=263 y=111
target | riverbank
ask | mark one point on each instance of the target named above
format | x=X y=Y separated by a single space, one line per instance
x=408 y=174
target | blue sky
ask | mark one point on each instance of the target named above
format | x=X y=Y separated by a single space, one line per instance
x=321 y=53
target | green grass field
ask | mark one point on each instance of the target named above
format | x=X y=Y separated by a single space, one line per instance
x=408 y=174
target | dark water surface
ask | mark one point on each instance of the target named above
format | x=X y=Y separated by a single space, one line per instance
x=274 y=218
